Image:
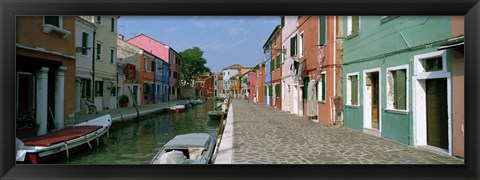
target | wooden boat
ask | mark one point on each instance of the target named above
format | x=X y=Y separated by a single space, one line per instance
x=216 y=115
x=64 y=142
x=193 y=148
x=176 y=108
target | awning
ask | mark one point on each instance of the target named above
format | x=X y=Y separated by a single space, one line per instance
x=451 y=43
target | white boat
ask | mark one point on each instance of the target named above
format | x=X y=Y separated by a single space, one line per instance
x=193 y=148
x=61 y=143
x=177 y=108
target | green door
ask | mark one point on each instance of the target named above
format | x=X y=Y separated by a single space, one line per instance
x=437 y=113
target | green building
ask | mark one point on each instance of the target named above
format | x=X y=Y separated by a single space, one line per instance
x=398 y=80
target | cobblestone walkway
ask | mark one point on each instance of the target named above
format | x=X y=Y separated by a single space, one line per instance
x=264 y=135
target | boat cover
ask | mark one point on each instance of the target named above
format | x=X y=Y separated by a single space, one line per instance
x=63 y=135
x=188 y=140
x=172 y=157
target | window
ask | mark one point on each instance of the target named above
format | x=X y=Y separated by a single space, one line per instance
x=321 y=88
x=272 y=65
x=278 y=61
x=293 y=46
x=112 y=25
x=145 y=88
x=284 y=54
x=432 y=64
x=152 y=66
x=322 y=31
x=397 y=82
x=353 y=25
x=98 y=88
x=352 y=89
x=275 y=41
x=112 y=56
x=84 y=43
x=270 y=90
x=99 y=51
x=98 y=20
x=301 y=44
x=53 y=20
x=145 y=63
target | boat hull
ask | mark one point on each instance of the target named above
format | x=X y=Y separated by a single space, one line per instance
x=65 y=142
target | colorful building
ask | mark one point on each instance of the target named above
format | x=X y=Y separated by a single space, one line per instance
x=84 y=39
x=161 y=51
x=289 y=35
x=384 y=83
x=229 y=72
x=260 y=89
x=174 y=81
x=251 y=85
x=105 y=66
x=276 y=67
x=267 y=50
x=45 y=67
x=205 y=85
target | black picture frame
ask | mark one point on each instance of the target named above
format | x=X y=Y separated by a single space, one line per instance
x=10 y=9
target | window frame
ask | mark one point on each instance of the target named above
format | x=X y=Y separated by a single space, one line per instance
x=99 y=20
x=350 y=32
x=301 y=45
x=112 y=25
x=390 y=100
x=320 y=88
x=112 y=55
x=99 y=54
x=348 y=90
x=85 y=42
x=60 y=22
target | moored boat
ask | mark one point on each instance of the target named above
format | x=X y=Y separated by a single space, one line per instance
x=176 y=108
x=193 y=148
x=216 y=115
x=64 y=142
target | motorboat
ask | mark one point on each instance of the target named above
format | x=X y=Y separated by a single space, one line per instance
x=176 y=108
x=193 y=148
x=62 y=143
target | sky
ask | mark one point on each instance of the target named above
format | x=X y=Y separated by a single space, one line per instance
x=225 y=40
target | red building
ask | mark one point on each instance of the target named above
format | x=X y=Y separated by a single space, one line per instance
x=260 y=82
x=276 y=65
x=205 y=86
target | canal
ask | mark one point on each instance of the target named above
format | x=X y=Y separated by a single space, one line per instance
x=138 y=142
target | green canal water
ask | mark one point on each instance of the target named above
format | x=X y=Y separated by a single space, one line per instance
x=138 y=142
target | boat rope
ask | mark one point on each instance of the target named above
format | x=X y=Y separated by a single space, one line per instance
x=88 y=142
x=66 y=149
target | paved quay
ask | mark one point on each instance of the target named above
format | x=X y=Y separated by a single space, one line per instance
x=127 y=113
x=257 y=134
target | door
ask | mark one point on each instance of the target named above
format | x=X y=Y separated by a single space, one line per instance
x=375 y=100
x=295 y=99
x=437 y=113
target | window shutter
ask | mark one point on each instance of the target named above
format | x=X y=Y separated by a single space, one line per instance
x=270 y=90
x=305 y=87
x=323 y=87
x=323 y=30
x=84 y=43
x=265 y=90
x=278 y=61
x=277 y=90
x=272 y=65
x=400 y=89
x=355 y=23
x=354 y=90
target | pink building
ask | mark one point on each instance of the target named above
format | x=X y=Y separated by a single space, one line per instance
x=151 y=45
x=174 y=80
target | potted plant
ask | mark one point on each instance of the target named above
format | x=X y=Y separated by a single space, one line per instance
x=123 y=100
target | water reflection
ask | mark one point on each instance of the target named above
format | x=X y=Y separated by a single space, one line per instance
x=137 y=143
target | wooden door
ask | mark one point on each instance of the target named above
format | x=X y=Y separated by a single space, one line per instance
x=437 y=113
x=375 y=100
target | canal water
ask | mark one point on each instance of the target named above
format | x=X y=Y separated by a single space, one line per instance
x=138 y=142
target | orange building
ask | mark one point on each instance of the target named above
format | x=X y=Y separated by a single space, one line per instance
x=260 y=82
x=45 y=58
x=276 y=65
x=205 y=85
x=147 y=79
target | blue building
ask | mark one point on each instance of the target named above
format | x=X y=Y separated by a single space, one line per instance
x=267 y=49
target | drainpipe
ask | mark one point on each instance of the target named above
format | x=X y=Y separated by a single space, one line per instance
x=92 y=98
x=334 y=65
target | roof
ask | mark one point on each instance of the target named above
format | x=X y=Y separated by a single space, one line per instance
x=277 y=28
x=189 y=140
x=234 y=66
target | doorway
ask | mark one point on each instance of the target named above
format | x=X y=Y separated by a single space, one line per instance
x=437 y=113
x=371 y=94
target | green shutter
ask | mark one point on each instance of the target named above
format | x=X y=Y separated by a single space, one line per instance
x=305 y=87
x=323 y=87
x=277 y=90
x=272 y=65
x=400 y=89
x=355 y=23
x=293 y=45
x=354 y=90
x=323 y=30
x=270 y=89
x=278 y=61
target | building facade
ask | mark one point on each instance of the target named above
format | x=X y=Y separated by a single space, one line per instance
x=229 y=72
x=267 y=50
x=260 y=89
x=174 y=60
x=289 y=34
x=385 y=83
x=45 y=66
x=276 y=67
x=84 y=39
